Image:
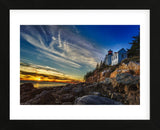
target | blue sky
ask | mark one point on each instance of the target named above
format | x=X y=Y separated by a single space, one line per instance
x=69 y=51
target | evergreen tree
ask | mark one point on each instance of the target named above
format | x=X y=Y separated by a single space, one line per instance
x=88 y=74
x=97 y=67
x=101 y=64
x=135 y=48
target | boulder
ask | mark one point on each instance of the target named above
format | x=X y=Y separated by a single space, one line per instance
x=45 y=97
x=24 y=98
x=27 y=94
x=66 y=98
x=95 y=100
x=26 y=87
x=77 y=91
x=66 y=89
x=131 y=67
x=126 y=79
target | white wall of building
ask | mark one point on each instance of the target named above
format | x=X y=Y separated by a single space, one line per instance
x=115 y=59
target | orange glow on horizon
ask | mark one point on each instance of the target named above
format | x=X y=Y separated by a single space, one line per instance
x=50 y=76
x=39 y=79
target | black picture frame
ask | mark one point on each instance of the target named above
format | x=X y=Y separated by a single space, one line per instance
x=153 y=123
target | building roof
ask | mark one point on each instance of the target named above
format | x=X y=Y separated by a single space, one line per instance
x=121 y=49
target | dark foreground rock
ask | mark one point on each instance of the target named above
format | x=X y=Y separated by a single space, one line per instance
x=45 y=97
x=26 y=87
x=95 y=100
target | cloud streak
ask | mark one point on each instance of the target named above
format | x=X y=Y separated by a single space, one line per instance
x=63 y=45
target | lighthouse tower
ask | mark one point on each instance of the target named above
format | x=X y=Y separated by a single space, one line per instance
x=109 y=57
x=108 y=60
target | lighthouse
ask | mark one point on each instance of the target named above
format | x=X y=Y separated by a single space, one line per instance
x=109 y=57
x=108 y=60
x=116 y=57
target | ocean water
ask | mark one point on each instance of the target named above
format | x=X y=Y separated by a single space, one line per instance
x=43 y=84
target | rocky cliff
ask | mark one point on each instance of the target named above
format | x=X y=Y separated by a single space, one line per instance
x=120 y=82
x=112 y=71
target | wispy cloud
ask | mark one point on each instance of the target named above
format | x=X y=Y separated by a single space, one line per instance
x=39 y=69
x=60 y=59
x=63 y=45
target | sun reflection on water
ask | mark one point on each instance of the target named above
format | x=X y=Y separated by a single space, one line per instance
x=44 y=84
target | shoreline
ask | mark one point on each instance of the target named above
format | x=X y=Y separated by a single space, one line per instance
x=124 y=89
x=29 y=81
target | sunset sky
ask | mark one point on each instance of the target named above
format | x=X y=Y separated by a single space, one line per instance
x=64 y=53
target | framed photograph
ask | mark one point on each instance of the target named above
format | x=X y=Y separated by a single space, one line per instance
x=79 y=64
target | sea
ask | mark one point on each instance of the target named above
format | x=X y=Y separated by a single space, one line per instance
x=43 y=84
